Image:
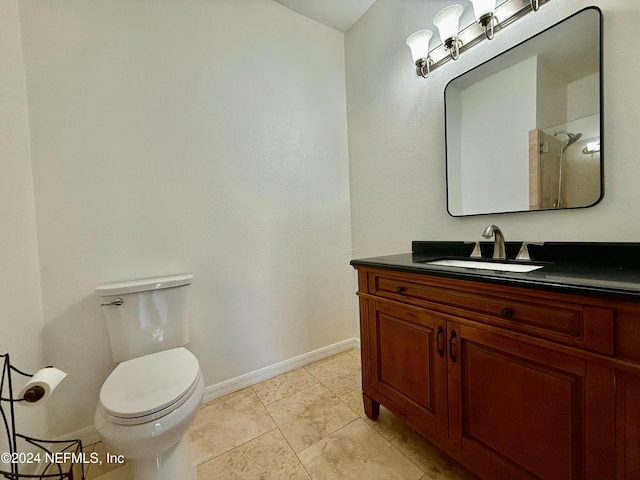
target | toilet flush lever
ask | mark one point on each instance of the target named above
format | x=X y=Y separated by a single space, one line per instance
x=117 y=301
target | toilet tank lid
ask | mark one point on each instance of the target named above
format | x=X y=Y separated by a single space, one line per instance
x=144 y=285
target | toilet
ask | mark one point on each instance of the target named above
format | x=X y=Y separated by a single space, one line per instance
x=150 y=399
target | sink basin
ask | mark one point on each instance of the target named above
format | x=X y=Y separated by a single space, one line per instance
x=502 y=267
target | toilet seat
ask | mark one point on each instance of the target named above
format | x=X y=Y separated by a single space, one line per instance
x=147 y=388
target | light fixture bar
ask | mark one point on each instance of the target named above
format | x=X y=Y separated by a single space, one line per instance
x=507 y=13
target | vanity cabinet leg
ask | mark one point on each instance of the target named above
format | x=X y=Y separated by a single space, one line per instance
x=371 y=407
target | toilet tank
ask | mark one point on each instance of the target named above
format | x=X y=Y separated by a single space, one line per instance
x=145 y=316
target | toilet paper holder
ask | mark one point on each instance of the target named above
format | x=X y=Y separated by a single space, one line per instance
x=33 y=394
x=48 y=450
x=116 y=302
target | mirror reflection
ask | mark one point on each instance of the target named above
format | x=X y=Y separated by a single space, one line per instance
x=523 y=129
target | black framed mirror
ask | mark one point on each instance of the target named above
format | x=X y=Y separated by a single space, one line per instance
x=524 y=129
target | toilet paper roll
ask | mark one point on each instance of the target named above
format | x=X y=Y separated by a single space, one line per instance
x=41 y=385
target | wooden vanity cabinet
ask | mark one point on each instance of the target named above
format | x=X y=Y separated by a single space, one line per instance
x=510 y=393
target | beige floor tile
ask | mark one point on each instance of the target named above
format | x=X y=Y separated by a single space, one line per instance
x=284 y=385
x=432 y=460
x=387 y=424
x=268 y=457
x=227 y=422
x=307 y=416
x=100 y=469
x=121 y=473
x=64 y=467
x=356 y=452
x=340 y=373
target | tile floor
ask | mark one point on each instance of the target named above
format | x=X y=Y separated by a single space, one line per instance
x=305 y=424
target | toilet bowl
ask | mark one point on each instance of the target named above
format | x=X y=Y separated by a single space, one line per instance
x=146 y=407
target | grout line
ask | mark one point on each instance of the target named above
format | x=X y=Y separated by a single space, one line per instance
x=286 y=396
x=333 y=394
x=238 y=446
x=405 y=456
x=295 y=454
x=212 y=402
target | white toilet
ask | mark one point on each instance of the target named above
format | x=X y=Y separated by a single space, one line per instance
x=151 y=398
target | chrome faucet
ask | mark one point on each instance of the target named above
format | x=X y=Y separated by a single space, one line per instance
x=499 y=251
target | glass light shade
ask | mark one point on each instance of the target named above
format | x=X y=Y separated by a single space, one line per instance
x=483 y=7
x=418 y=42
x=447 y=21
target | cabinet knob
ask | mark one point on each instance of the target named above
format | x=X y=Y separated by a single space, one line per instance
x=506 y=312
x=400 y=289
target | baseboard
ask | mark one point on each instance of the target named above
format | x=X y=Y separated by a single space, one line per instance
x=234 y=384
x=89 y=435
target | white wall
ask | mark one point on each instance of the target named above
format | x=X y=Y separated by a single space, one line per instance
x=20 y=302
x=581 y=101
x=396 y=133
x=205 y=137
x=551 y=96
x=484 y=190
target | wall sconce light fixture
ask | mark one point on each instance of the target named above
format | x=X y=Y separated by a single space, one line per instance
x=485 y=15
x=446 y=20
x=419 y=44
x=489 y=20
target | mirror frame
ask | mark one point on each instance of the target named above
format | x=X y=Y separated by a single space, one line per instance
x=600 y=102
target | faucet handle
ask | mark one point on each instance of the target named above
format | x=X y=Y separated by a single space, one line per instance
x=523 y=254
x=476 y=253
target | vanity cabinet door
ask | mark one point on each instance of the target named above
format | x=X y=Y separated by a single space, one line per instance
x=519 y=410
x=407 y=364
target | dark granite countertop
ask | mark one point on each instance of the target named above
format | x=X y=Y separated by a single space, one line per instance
x=596 y=269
